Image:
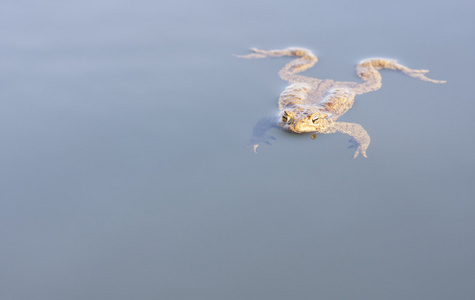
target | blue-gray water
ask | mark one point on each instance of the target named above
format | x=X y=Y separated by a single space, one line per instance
x=124 y=172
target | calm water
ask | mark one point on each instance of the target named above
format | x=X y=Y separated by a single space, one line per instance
x=124 y=170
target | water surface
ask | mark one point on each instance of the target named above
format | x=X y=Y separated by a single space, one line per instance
x=124 y=170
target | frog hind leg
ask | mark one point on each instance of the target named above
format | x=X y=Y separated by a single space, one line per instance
x=368 y=71
x=306 y=59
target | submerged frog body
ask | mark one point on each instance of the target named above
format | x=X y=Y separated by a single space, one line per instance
x=314 y=105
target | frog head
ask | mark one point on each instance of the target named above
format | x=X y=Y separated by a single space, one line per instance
x=300 y=122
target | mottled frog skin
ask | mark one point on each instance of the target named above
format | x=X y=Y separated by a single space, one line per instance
x=314 y=105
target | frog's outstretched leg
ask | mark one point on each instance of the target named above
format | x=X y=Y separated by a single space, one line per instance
x=260 y=132
x=305 y=61
x=368 y=71
x=359 y=136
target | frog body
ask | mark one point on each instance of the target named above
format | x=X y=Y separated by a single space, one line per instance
x=312 y=105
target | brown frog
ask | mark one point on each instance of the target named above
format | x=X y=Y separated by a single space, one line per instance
x=314 y=105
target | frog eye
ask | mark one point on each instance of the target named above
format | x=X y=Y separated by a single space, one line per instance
x=286 y=117
x=315 y=119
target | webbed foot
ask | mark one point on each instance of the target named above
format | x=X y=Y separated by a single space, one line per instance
x=256 y=141
x=359 y=148
x=266 y=53
x=419 y=74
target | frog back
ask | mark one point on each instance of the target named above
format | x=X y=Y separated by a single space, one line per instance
x=294 y=96
x=338 y=101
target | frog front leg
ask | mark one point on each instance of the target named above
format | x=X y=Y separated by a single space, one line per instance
x=260 y=132
x=356 y=131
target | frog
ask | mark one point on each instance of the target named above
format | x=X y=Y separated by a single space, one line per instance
x=312 y=105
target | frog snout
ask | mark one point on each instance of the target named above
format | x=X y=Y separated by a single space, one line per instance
x=298 y=126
